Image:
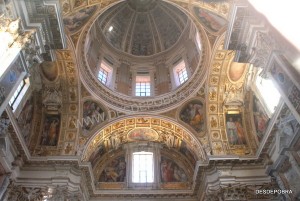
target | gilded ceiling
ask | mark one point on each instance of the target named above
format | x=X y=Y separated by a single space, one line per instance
x=75 y=101
x=203 y=132
x=193 y=122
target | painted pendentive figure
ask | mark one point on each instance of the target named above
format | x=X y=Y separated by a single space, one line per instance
x=193 y=115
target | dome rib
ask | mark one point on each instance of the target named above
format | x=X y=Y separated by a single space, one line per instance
x=157 y=40
x=143 y=28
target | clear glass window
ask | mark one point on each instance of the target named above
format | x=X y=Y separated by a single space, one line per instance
x=182 y=75
x=143 y=86
x=17 y=93
x=142 y=167
x=102 y=76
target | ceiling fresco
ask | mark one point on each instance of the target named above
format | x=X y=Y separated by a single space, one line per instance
x=144 y=32
x=211 y=122
x=208 y=120
x=201 y=133
x=211 y=22
x=193 y=114
x=76 y=21
x=53 y=134
x=229 y=126
x=154 y=129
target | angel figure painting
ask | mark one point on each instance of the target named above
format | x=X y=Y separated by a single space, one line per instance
x=211 y=21
x=94 y=112
x=25 y=119
x=171 y=172
x=235 y=130
x=261 y=119
x=193 y=115
x=76 y=21
x=115 y=171
x=50 y=131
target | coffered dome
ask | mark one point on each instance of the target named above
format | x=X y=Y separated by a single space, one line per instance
x=142 y=27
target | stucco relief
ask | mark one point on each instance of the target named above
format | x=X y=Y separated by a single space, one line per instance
x=26 y=119
x=226 y=119
x=55 y=135
x=289 y=87
x=112 y=136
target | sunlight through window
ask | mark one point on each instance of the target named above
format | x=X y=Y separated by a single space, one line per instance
x=143 y=86
x=180 y=71
x=268 y=92
x=102 y=75
x=142 y=171
x=286 y=25
x=182 y=75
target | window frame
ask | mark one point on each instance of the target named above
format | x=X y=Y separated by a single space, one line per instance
x=106 y=68
x=102 y=76
x=13 y=100
x=182 y=75
x=142 y=86
x=177 y=68
x=145 y=165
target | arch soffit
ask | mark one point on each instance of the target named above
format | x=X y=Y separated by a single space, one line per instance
x=169 y=132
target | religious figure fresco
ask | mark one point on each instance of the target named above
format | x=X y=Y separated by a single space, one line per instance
x=261 y=119
x=235 y=130
x=25 y=119
x=97 y=154
x=93 y=114
x=187 y=153
x=210 y=21
x=193 y=115
x=74 y=22
x=142 y=134
x=171 y=172
x=51 y=128
x=114 y=171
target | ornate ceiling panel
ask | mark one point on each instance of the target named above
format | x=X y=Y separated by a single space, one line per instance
x=167 y=132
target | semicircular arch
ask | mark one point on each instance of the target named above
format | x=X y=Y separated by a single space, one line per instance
x=170 y=133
